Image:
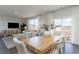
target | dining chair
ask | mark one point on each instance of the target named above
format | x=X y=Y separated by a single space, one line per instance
x=53 y=49
x=61 y=45
x=21 y=47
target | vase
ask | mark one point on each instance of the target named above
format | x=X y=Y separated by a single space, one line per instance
x=47 y=33
x=52 y=33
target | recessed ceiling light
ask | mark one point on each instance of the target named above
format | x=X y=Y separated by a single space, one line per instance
x=16 y=12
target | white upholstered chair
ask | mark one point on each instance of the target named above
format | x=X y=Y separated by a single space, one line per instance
x=61 y=45
x=54 y=50
x=21 y=47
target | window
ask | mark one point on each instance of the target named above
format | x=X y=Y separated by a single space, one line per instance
x=57 y=22
x=63 y=22
x=65 y=27
x=36 y=22
x=33 y=22
x=66 y=22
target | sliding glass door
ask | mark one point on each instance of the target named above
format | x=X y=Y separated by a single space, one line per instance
x=64 y=28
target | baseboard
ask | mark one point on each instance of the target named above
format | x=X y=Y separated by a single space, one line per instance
x=73 y=43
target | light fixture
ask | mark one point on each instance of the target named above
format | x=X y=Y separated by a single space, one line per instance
x=16 y=12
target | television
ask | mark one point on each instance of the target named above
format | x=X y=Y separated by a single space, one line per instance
x=13 y=25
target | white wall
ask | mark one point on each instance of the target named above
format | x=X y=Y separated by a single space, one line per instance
x=45 y=19
x=27 y=22
x=75 y=17
x=4 y=22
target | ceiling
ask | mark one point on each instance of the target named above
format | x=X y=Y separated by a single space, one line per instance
x=27 y=10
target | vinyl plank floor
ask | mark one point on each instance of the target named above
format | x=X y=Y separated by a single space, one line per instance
x=71 y=49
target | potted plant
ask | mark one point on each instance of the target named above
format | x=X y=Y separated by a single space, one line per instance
x=50 y=29
x=22 y=27
x=46 y=28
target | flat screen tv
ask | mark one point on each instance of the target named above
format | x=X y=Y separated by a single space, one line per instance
x=13 y=25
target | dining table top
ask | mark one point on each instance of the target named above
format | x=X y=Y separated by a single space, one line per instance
x=40 y=44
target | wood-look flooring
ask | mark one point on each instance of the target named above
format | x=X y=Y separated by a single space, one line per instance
x=69 y=49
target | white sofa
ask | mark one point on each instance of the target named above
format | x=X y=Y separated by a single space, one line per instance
x=8 y=42
x=8 y=37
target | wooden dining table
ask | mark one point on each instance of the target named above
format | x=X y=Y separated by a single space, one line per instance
x=40 y=44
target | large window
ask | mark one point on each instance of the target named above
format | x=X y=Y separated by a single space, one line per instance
x=65 y=27
x=33 y=22
x=63 y=22
x=66 y=22
x=36 y=22
x=57 y=22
